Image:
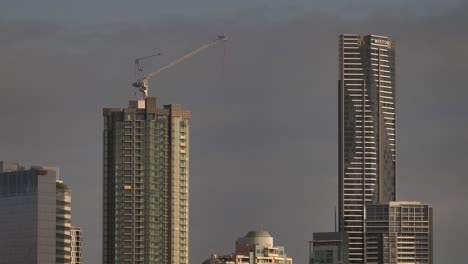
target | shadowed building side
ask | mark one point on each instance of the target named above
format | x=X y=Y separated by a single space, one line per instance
x=330 y=248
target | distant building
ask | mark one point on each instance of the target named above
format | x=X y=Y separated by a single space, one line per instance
x=330 y=248
x=36 y=215
x=399 y=232
x=255 y=247
x=76 y=247
x=367 y=132
x=146 y=184
x=63 y=223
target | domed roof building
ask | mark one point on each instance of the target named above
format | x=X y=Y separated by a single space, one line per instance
x=257 y=245
x=261 y=237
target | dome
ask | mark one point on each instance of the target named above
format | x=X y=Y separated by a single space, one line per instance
x=261 y=237
x=261 y=233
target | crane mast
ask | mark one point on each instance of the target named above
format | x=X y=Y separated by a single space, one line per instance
x=142 y=83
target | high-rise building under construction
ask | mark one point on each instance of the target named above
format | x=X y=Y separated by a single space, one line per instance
x=146 y=174
x=367 y=132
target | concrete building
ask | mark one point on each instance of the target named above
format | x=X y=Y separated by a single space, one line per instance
x=63 y=223
x=255 y=247
x=367 y=132
x=76 y=245
x=36 y=215
x=330 y=248
x=399 y=232
x=146 y=184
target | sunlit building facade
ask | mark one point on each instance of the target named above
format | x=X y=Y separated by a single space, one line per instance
x=367 y=132
x=255 y=247
x=399 y=232
x=146 y=184
x=63 y=223
x=76 y=245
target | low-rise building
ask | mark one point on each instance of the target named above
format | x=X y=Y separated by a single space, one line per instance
x=330 y=248
x=255 y=247
x=76 y=247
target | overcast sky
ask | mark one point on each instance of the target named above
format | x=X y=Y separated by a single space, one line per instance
x=264 y=106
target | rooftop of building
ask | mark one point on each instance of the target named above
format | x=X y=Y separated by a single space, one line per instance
x=261 y=233
x=62 y=186
x=329 y=236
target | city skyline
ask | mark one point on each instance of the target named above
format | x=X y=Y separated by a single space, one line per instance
x=296 y=72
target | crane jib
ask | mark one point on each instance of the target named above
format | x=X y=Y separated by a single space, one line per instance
x=142 y=83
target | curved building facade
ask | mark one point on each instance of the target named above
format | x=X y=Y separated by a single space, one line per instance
x=367 y=132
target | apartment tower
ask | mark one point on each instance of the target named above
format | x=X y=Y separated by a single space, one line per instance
x=367 y=135
x=399 y=232
x=63 y=223
x=146 y=188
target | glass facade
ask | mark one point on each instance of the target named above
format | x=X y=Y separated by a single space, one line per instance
x=18 y=182
x=330 y=248
x=146 y=184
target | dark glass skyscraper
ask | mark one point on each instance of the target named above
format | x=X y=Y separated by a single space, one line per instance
x=146 y=164
x=367 y=132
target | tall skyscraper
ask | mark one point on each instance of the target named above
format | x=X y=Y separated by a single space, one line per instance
x=367 y=132
x=146 y=184
x=35 y=223
x=399 y=232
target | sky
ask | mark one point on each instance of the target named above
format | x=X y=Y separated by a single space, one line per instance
x=264 y=106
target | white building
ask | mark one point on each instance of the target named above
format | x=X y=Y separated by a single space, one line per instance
x=76 y=245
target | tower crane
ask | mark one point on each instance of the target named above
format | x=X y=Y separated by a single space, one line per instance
x=142 y=83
